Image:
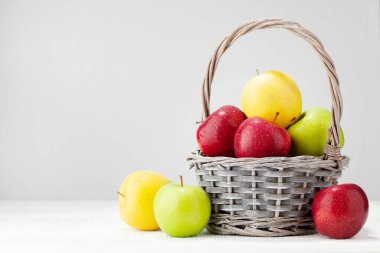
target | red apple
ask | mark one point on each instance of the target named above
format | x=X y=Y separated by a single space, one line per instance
x=215 y=135
x=340 y=211
x=257 y=137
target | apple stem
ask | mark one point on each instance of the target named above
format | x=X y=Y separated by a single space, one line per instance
x=275 y=117
x=121 y=194
x=257 y=71
x=180 y=178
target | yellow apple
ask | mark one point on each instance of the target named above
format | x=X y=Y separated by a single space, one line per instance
x=136 y=196
x=274 y=96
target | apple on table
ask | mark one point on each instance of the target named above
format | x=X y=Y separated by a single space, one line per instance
x=340 y=211
x=136 y=195
x=182 y=210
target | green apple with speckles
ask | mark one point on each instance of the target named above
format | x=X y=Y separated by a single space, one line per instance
x=309 y=134
x=182 y=210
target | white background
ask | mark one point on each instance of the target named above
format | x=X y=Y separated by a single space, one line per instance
x=93 y=90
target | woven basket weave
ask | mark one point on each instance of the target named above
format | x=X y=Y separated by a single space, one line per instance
x=269 y=196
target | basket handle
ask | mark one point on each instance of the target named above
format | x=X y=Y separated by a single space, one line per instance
x=332 y=148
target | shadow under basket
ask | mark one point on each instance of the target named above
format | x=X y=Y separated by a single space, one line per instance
x=269 y=196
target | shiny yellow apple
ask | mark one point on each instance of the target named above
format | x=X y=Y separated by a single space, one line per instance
x=136 y=196
x=274 y=96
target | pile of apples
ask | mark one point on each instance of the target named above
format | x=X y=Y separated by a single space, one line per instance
x=271 y=123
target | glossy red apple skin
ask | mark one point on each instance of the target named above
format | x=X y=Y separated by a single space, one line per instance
x=257 y=137
x=340 y=211
x=215 y=135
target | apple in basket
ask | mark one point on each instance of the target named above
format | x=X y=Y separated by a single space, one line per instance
x=257 y=137
x=273 y=96
x=340 y=211
x=310 y=133
x=215 y=135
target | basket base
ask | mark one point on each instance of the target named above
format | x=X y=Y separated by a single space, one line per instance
x=264 y=227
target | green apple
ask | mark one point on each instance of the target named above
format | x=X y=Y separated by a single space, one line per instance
x=309 y=134
x=182 y=211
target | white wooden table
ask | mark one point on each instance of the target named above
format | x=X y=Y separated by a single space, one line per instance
x=95 y=226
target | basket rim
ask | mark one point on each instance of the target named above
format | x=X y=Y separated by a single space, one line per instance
x=197 y=158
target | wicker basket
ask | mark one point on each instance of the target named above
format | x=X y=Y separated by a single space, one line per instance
x=269 y=196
